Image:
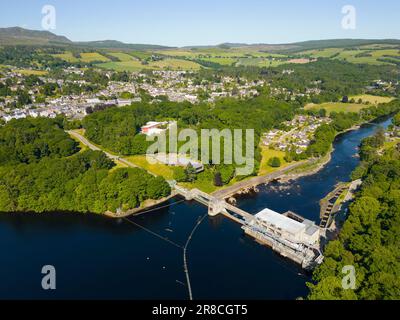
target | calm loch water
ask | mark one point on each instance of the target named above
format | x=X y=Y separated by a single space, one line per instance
x=99 y=258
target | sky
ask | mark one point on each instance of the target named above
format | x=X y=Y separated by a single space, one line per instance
x=206 y=22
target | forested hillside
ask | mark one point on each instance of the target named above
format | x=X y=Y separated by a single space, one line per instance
x=369 y=239
x=41 y=172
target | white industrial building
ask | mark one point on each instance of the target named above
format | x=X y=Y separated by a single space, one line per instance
x=289 y=226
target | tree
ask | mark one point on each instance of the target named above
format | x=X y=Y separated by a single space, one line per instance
x=190 y=172
x=180 y=174
x=274 y=162
x=218 y=180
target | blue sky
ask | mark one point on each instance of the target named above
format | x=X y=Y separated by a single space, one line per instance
x=206 y=22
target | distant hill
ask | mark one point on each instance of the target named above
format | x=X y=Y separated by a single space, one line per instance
x=18 y=36
x=341 y=43
x=113 y=44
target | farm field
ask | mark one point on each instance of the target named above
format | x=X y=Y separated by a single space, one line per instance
x=121 y=56
x=337 y=107
x=85 y=57
x=131 y=66
x=134 y=65
x=372 y=99
x=222 y=61
x=372 y=54
x=174 y=64
x=28 y=72
x=92 y=56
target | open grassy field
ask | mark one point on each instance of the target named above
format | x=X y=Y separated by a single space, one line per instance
x=121 y=56
x=174 y=64
x=322 y=53
x=374 y=53
x=337 y=107
x=158 y=169
x=67 y=56
x=28 y=72
x=134 y=65
x=85 y=57
x=267 y=154
x=92 y=56
x=372 y=99
x=260 y=62
x=130 y=66
x=222 y=61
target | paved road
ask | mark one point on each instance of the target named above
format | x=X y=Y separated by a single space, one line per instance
x=224 y=193
x=91 y=146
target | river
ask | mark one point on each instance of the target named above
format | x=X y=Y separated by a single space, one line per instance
x=100 y=258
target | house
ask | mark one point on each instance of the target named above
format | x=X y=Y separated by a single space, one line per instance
x=154 y=128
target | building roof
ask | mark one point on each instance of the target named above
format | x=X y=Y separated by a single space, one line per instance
x=281 y=221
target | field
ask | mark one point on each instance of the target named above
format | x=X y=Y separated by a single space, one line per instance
x=268 y=154
x=131 y=66
x=85 y=57
x=28 y=72
x=337 y=107
x=175 y=64
x=158 y=169
x=372 y=99
x=122 y=56
x=92 y=56
x=371 y=54
x=134 y=65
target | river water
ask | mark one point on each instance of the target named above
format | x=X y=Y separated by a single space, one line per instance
x=99 y=258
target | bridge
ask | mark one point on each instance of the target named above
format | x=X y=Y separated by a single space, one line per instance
x=215 y=206
x=305 y=254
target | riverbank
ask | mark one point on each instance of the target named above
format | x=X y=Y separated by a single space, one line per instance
x=147 y=205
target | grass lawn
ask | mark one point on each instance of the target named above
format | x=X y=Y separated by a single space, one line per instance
x=175 y=64
x=28 y=72
x=158 y=169
x=267 y=154
x=222 y=61
x=67 y=56
x=337 y=107
x=133 y=65
x=130 y=66
x=92 y=56
x=372 y=99
x=122 y=56
x=85 y=57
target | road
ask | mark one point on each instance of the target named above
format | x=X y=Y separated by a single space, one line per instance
x=91 y=146
x=253 y=182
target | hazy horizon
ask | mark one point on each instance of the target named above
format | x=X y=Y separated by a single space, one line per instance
x=178 y=23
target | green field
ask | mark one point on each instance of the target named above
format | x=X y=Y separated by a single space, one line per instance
x=372 y=99
x=373 y=53
x=85 y=57
x=267 y=154
x=92 y=56
x=167 y=64
x=337 y=107
x=158 y=169
x=28 y=72
x=121 y=56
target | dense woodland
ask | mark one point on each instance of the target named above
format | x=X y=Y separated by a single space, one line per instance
x=118 y=129
x=40 y=171
x=369 y=240
x=326 y=134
